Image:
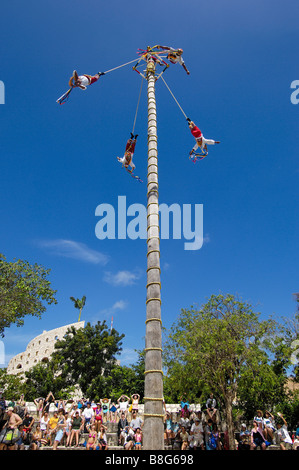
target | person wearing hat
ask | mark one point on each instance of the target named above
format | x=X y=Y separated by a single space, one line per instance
x=88 y=416
x=14 y=420
x=245 y=436
x=98 y=416
x=197 y=434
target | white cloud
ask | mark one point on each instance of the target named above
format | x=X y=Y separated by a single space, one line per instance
x=74 y=250
x=122 y=278
x=128 y=357
x=119 y=305
x=109 y=311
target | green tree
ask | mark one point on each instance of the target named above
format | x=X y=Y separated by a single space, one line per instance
x=43 y=378
x=12 y=385
x=214 y=346
x=127 y=379
x=79 y=304
x=87 y=355
x=23 y=290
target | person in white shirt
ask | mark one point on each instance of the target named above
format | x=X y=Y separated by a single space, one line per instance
x=285 y=441
x=175 y=56
x=269 y=425
x=88 y=415
x=201 y=141
x=197 y=433
x=123 y=404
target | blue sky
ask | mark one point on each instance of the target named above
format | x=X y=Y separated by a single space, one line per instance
x=58 y=163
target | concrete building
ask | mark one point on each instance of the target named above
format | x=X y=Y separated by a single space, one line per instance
x=39 y=349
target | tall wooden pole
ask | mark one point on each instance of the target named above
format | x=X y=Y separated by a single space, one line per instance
x=153 y=430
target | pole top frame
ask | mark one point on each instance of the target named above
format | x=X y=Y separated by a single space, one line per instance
x=152 y=57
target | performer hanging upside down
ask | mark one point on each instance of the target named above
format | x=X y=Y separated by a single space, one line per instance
x=127 y=159
x=201 y=142
x=82 y=81
x=175 y=56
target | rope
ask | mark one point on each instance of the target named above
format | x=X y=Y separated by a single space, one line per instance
x=137 y=106
x=153 y=349
x=153 y=319
x=153 y=298
x=154 y=399
x=154 y=371
x=119 y=66
x=174 y=98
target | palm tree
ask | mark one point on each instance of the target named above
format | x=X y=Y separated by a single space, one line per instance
x=79 y=304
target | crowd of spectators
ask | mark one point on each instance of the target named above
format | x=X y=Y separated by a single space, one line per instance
x=63 y=422
x=201 y=430
x=84 y=423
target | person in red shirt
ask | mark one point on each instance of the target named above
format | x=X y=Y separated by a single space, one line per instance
x=82 y=81
x=127 y=159
x=201 y=141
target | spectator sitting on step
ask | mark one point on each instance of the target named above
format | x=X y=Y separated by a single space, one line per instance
x=52 y=424
x=285 y=441
x=88 y=416
x=91 y=443
x=105 y=402
x=98 y=416
x=123 y=402
x=44 y=421
x=136 y=421
x=269 y=426
x=211 y=407
x=244 y=438
x=184 y=435
x=48 y=401
x=102 y=438
x=122 y=424
x=113 y=413
x=36 y=438
x=135 y=402
x=22 y=406
x=39 y=403
x=138 y=439
x=184 y=419
x=169 y=426
x=74 y=409
x=77 y=426
x=128 y=435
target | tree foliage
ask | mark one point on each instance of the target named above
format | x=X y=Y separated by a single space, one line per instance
x=79 y=304
x=213 y=347
x=24 y=288
x=87 y=355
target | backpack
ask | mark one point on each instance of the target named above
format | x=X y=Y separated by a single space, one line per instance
x=212 y=442
x=9 y=436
